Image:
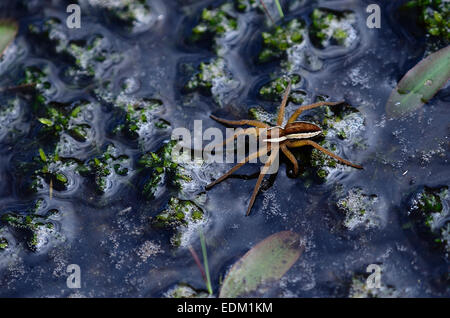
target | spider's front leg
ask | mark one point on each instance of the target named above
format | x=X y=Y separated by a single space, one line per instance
x=249 y=122
x=283 y=104
x=301 y=109
x=248 y=131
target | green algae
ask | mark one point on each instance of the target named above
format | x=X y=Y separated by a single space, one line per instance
x=50 y=168
x=332 y=28
x=34 y=75
x=3 y=243
x=431 y=215
x=359 y=209
x=88 y=57
x=214 y=23
x=37 y=228
x=274 y=90
x=161 y=168
x=280 y=39
x=179 y=216
x=359 y=289
x=130 y=12
x=434 y=16
x=39 y=78
x=207 y=74
x=104 y=167
x=139 y=114
x=259 y=113
x=245 y=5
x=430 y=201
x=61 y=118
x=178 y=213
x=52 y=32
x=185 y=291
x=211 y=76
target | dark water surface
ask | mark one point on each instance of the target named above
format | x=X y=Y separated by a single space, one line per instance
x=110 y=236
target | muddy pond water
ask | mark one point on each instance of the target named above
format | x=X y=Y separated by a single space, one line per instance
x=74 y=187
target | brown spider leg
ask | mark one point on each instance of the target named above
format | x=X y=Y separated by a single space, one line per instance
x=290 y=156
x=266 y=167
x=283 y=104
x=18 y=87
x=301 y=143
x=236 y=167
x=232 y=138
x=301 y=109
x=249 y=122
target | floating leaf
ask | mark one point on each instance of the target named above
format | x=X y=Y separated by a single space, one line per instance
x=264 y=264
x=8 y=31
x=420 y=84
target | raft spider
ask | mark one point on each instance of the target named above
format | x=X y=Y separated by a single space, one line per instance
x=293 y=134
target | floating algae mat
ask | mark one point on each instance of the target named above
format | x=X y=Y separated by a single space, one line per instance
x=105 y=109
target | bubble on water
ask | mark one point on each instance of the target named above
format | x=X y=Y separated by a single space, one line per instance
x=131 y=85
x=351 y=126
x=301 y=56
x=10 y=117
x=271 y=206
x=147 y=250
x=359 y=78
x=13 y=52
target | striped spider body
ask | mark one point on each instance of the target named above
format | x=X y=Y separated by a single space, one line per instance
x=293 y=134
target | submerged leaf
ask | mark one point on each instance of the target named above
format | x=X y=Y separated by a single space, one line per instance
x=420 y=84
x=45 y=121
x=42 y=155
x=264 y=264
x=8 y=31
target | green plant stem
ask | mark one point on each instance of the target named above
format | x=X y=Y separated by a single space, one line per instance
x=280 y=10
x=205 y=262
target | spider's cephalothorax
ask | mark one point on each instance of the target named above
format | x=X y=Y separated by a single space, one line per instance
x=293 y=134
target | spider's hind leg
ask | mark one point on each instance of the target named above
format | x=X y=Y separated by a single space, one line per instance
x=301 y=143
x=236 y=167
x=261 y=177
x=291 y=157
